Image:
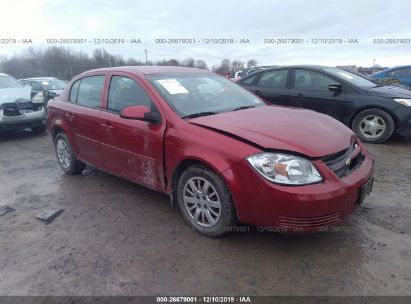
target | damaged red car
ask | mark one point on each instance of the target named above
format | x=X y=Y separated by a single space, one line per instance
x=222 y=154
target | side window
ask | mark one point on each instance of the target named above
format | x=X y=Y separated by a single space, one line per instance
x=249 y=80
x=310 y=80
x=74 y=91
x=125 y=92
x=89 y=93
x=35 y=86
x=404 y=72
x=274 y=79
x=391 y=74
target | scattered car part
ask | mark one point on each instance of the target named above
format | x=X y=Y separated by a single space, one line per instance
x=6 y=209
x=48 y=215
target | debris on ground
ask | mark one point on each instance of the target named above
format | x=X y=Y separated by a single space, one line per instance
x=49 y=215
x=6 y=209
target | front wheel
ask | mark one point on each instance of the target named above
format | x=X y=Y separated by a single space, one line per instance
x=205 y=201
x=373 y=126
x=66 y=157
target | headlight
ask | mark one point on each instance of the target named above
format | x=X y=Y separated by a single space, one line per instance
x=403 y=101
x=285 y=169
x=38 y=98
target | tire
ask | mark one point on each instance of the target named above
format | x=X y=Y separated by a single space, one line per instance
x=39 y=129
x=66 y=157
x=373 y=126
x=207 y=223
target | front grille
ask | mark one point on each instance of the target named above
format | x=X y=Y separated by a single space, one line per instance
x=310 y=222
x=15 y=108
x=346 y=161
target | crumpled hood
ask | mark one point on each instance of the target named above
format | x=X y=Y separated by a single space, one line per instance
x=389 y=91
x=281 y=128
x=13 y=94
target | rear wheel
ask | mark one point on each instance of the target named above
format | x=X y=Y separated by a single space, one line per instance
x=66 y=157
x=205 y=201
x=373 y=125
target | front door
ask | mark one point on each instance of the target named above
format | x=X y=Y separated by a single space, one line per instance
x=132 y=149
x=310 y=91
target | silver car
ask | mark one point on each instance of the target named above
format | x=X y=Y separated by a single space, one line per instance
x=18 y=110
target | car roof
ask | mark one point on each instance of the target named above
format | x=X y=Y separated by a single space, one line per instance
x=282 y=67
x=397 y=67
x=309 y=66
x=40 y=78
x=147 y=70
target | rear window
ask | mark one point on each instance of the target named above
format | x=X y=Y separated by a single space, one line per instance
x=7 y=82
x=74 y=91
x=90 y=90
x=274 y=79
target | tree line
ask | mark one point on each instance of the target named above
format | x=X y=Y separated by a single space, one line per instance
x=65 y=63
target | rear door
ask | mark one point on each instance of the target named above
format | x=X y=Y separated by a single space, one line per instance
x=82 y=116
x=404 y=75
x=271 y=85
x=132 y=149
x=309 y=90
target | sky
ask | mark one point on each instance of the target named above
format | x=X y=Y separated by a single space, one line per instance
x=252 y=20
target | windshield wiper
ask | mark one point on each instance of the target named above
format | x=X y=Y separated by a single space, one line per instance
x=199 y=114
x=243 y=108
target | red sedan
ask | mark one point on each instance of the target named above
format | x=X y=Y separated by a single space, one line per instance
x=221 y=153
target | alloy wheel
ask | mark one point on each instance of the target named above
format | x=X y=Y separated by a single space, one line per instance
x=202 y=202
x=63 y=153
x=372 y=126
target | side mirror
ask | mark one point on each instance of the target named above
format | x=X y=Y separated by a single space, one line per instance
x=140 y=113
x=335 y=87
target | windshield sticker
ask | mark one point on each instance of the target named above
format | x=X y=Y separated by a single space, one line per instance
x=173 y=86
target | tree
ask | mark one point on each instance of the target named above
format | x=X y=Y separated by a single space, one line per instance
x=65 y=63
x=201 y=64
x=237 y=65
x=251 y=63
x=189 y=62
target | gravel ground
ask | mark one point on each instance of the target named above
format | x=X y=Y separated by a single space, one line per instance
x=117 y=238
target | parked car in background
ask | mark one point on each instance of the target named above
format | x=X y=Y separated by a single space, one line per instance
x=51 y=87
x=18 y=109
x=243 y=73
x=373 y=112
x=401 y=73
x=221 y=153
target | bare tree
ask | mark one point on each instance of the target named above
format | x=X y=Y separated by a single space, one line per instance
x=189 y=62
x=65 y=63
x=251 y=63
x=201 y=64
x=237 y=65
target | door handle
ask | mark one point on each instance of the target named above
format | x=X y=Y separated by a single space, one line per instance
x=107 y=126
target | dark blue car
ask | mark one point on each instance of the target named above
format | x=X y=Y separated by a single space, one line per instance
x=402 y=73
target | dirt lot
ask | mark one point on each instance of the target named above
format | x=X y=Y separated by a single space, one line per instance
x=116 y=238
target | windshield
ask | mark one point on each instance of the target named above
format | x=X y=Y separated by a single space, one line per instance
x=53 y=84
x=351 y=78
x=190 y=94
x=7 y=82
